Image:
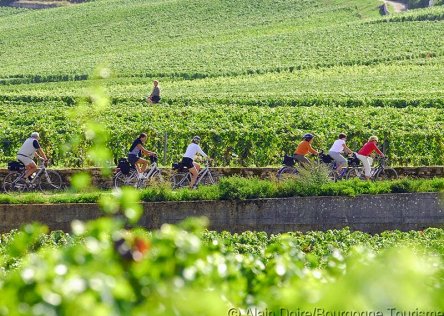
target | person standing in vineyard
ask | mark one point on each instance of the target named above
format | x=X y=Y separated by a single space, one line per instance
x=155 y=94
x=335 y=151
x=304 y=148
x=135 y=153
x=188 y=159
x=364 y=155
x=26 y=154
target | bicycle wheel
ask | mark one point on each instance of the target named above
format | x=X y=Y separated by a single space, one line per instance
x=386 y=174
x=355 y=173
x=14 y=182
x=155 y=178
x=130 y=179
x=50 y=180
x=286 y=172
x=333 y=175
x=216 y=177
x=208 y=179
x=180 y=180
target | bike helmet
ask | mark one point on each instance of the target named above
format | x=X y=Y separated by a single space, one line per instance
x=35 y=135
x=308 y=136
x=196 y=139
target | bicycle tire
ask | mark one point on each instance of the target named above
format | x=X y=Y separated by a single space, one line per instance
x=180 y=180
x=51 y=181
x=216 y=176
x=121 y=180
x=154 y=179
x=13 y=183
x=386 y=174
x=286 y=171
x=208 y=179
x=333 y=175
x=157 y=177
x=354 y=173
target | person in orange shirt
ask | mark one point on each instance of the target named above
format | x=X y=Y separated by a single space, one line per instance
x=304 y=148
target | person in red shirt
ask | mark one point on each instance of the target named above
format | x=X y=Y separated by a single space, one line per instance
x=304 y=148
x=364 y=155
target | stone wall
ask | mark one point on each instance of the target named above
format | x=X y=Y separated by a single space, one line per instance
x=368 y=213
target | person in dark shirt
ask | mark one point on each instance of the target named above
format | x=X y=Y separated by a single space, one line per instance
x=155 y=94
x=135 y=154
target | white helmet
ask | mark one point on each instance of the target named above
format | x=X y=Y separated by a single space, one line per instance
x=35 y=135
x=196 y=139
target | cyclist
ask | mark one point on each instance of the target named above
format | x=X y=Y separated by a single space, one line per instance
x=304 y=148
x=135 y=154
x=154 y=97
x=364 y=155
x=335 y=151
x=26 y=154
x=188 y=159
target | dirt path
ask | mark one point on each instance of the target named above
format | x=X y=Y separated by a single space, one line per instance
x=398 y=6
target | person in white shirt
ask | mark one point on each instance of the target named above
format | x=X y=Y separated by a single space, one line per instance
x=26 y=154
x=188 y=159
x=339 y=147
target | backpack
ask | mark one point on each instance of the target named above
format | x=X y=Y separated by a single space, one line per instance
x=353 y=161
x=124 y=166
x=288 y=161
x=325 y=158
x=179 y=167
x=15 y=166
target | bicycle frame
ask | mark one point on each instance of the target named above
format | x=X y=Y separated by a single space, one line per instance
x=205 y=172
x=50 y=180
x=375 y=170
x=40 y=170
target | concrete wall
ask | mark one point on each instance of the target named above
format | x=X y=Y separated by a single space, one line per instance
x=369 y=213
x=263 y=173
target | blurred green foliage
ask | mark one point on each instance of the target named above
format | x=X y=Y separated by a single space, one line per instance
x=104 y=269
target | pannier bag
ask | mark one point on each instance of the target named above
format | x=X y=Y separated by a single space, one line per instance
x=124 y=166
x=288 y=161
x=325 y=158
x=353 y=161
x=15 y=166
x=179 y=167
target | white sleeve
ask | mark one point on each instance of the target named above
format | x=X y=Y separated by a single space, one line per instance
x=200 y=151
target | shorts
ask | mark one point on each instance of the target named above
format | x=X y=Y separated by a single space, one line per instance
x=337 y=157
x=301 y=159
x=155 y=99
x=187 y=162
x=132 y=159
x=25 y=160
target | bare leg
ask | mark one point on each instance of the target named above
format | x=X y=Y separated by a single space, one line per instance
x=141 y=165
x=30 y=169
x=144 y=166
x=194 y=174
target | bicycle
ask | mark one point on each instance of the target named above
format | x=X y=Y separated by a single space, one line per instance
x=352 y=163
x=44 y=179
x=182 y=177
x=288 y=170
x=128 y=175
x=380 y=172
